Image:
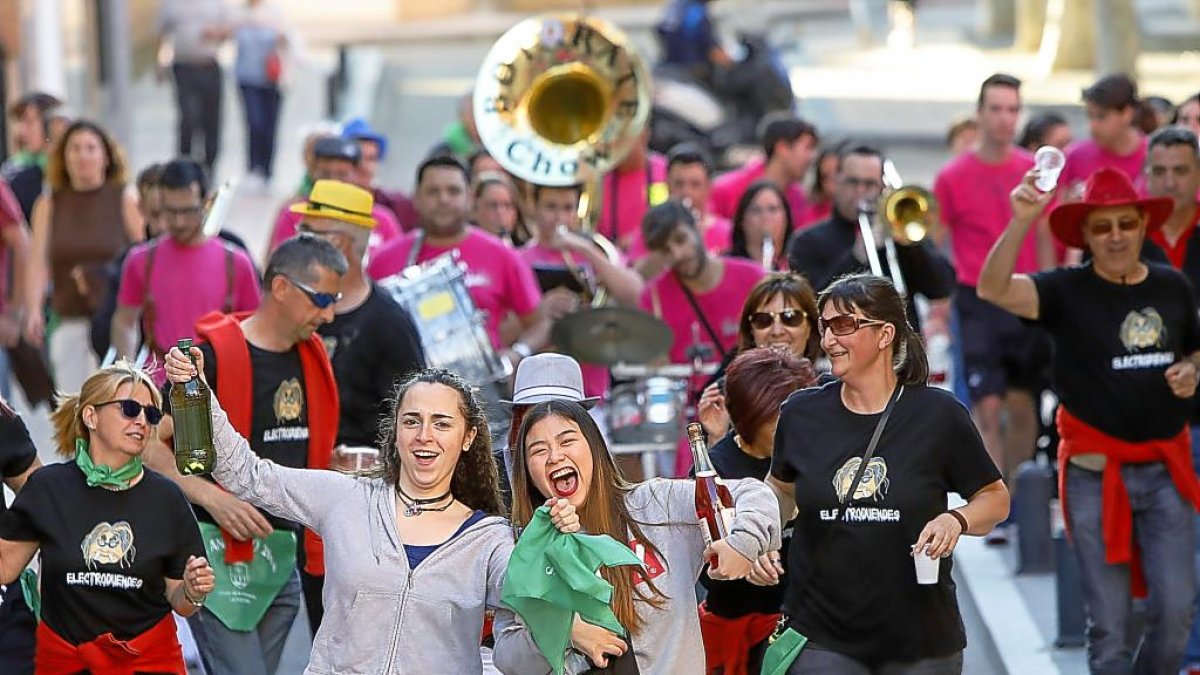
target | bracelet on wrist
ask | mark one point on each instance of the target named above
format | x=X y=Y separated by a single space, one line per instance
x=188 y=596
x=962 y=520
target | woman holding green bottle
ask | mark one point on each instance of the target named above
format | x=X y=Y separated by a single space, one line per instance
x=109 y=609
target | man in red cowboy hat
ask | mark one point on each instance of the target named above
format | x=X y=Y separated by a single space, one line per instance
x=1126 y=337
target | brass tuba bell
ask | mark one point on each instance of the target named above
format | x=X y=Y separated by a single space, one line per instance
x=560 y=100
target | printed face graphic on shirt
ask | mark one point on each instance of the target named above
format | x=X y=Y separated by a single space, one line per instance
x=331 y=344
x=1143 y=329
x=874 y=484
x=289 y=401
x=109 y=544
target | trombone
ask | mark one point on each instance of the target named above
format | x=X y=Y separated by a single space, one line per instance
x=905 y=209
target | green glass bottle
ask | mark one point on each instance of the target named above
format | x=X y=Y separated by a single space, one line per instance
x=191 y=411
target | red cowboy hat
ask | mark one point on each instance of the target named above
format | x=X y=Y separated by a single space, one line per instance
x=1106 y=187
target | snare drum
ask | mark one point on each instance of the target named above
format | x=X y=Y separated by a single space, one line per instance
x=648 y=411
x=452 y=330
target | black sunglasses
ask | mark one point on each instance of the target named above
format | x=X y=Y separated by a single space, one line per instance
x=792 y=318
x=846 y=324
x=318 y=299
x=131 y=409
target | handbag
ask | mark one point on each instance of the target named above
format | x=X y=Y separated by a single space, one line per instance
x=785 y=645
x=274 y=67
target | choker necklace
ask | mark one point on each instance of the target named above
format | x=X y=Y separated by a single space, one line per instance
x=415 y=507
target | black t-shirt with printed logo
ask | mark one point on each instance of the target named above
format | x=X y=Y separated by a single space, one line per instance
x=1113 y=344
x=105 y=553
x=370 y=347
x=279 y=426
x=851 y=586
x=17 y=453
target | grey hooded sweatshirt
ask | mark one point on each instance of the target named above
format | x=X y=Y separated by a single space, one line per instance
x=670 y=642
x=381 y=617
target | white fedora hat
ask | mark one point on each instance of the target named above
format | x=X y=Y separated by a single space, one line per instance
x=549 y=377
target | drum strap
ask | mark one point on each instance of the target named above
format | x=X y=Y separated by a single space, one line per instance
x=712 y=334
x=415 y=251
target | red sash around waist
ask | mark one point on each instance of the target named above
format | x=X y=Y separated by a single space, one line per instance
x=155 y=651
x=1078 y=437
x=727 y=642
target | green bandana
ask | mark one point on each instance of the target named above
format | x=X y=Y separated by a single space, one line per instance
x=117 y=478
x=245 y=591
x=552 y=576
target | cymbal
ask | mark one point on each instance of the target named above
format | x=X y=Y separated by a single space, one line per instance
x=609 y=335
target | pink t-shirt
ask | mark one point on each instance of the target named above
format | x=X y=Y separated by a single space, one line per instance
x=1085 y=157
x=728 y=189
x=10 y=216
x=626 y=198
x=595 y=378
x=498 y=279
x=665 y=298
x=179 y=301
x=973 y=198
x=386 y=229
x=718 y=237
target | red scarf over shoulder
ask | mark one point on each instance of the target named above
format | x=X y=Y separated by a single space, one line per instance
x=234 y=391
x=1079 y=437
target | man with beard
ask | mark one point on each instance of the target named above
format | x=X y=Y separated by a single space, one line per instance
x=272 y=377
x=500 y=282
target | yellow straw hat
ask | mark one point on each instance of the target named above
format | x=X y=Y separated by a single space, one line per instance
x=336 y=200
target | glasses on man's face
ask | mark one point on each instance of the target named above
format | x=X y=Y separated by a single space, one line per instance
x=792 y=318
x=862 y=183
x=845 y=324
x=180 y=211
x=1101 y=228
x=130 y=409
x=319 y=299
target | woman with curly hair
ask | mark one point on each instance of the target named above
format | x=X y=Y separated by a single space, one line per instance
x=415 y=548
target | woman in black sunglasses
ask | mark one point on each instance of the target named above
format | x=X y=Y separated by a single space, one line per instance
x=779 y=312
x=120 y=548
x=865 y=464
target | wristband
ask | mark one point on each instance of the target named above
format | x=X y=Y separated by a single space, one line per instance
x=962 y=520
x=187 y=596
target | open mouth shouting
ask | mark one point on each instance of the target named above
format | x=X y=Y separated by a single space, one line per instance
x=425 y=458
x=564 y=482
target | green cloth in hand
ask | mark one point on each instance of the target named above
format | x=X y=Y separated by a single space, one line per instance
x=552 y=576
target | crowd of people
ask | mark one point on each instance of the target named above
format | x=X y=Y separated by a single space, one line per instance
x=359 y=476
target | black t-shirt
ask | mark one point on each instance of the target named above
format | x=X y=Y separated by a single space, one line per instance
x=1114 y=342
x=279 y=422
x=852 y=586
x=370 y=347
x=733 y=599
x=17 y=453
x=105 y=554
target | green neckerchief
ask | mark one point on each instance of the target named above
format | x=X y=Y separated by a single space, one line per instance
x=306 y=186
x=118 y=478
x=25 y=158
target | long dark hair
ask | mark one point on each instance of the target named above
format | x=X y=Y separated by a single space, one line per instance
x=476 y=480
x=795 y=289
x=604 y=512
x=737 y=246
x=877 y=298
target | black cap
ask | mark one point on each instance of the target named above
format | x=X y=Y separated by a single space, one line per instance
x=336 y=147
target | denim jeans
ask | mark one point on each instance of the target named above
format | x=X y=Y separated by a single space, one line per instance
x=817 y=660
x=228 y=652
x=1163 y=527
x=261 y=105
x=1192 y=654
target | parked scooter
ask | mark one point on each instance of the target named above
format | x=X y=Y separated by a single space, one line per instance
x=722 y=114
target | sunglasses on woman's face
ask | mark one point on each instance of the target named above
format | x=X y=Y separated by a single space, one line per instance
x=846 y=324
x=1100 y=228
x=130 y=409
x=792 y=318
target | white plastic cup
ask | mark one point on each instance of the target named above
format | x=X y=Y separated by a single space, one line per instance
x=927 y=568
x=1049 y=162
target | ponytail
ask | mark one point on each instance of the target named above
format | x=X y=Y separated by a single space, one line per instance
x=911 y=363
x=68 y=425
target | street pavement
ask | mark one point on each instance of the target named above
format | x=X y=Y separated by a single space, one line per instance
x=902 y=99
